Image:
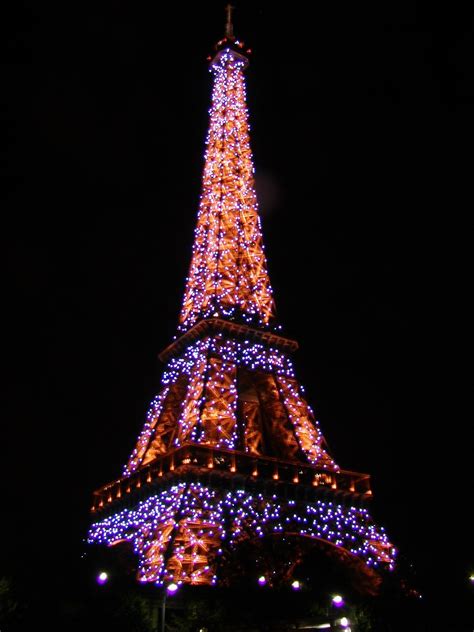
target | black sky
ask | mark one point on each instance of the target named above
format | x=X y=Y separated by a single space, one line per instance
x=361 y=131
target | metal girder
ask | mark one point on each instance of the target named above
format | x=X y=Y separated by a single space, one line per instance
x=305 y=427
x=166 y=427
x=218 y=412
x=228 y=268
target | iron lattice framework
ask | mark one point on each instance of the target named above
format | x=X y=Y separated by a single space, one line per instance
x=228 y=274
x=231 y=451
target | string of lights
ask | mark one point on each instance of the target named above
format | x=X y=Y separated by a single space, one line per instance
x=229 y=398
x=228 y=274
x=208 y=410
x=205 y=521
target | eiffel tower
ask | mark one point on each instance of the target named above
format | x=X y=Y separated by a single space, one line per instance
x=231 y=456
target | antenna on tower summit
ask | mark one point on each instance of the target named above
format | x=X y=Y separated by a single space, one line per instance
x=229 y=27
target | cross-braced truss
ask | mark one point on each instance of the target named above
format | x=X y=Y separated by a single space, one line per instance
x=228 y=274
x=225 y=404
x=230 y=410
x=180 y=534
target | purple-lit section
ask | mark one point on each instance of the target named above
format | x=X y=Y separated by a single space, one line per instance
x=262 y=581
x=337 y=601
x=241 y=512
x=102 y=578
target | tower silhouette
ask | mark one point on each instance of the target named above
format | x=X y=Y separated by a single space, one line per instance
x=231 y=455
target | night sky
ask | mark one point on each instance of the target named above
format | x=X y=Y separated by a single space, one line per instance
x=361 y=118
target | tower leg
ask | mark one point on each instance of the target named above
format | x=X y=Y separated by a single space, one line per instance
x=163 y=612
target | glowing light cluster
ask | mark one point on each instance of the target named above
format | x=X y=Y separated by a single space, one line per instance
x=193 y=364
x=179 y=533
x=251 y=355
x=306 y=427
x=228 y=274
x=231 y=394
x=205 y=411
x=144 y=439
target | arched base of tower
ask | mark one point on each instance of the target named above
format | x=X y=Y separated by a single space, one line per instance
x=280 y=559
x=199 y=534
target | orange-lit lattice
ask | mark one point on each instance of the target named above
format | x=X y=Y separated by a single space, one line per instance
x=228 y=274
x=305 y=426
x=232 y=395
x=230 y=412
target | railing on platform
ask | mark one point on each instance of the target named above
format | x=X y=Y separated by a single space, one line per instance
x=199 y=458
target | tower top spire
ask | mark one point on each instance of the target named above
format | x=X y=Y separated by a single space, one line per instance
x=228 y=277
x=229 y=27
x=229 y=43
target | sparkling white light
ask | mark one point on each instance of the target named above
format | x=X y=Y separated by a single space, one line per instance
x=228 y=274
x=209 y=366
x=206 y=520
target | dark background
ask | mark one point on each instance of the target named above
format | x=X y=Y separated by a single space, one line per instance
x=361 y=117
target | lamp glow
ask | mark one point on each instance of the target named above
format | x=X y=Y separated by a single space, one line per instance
x=262 y=581
x=102 y=577
x=337 y=601
x=296 y=585
x=172 y=588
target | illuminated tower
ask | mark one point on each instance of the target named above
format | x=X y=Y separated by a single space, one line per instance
x=231 y=455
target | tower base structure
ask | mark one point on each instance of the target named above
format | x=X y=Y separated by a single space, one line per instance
x=191 y=515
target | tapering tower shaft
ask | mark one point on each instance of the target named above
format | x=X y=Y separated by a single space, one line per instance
x=228 y=274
